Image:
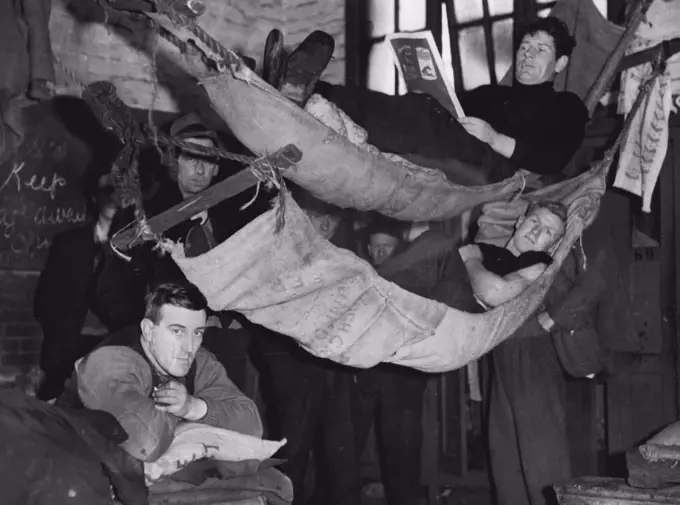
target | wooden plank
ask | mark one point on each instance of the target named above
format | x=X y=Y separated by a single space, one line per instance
x=609 y=69
x=649 y=474
x=283 y=159
x=606 y=491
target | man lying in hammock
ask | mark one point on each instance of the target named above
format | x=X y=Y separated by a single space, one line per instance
x=498 y=274
x=478 y=276
x=527 y=125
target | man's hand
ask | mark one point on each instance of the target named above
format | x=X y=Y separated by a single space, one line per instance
x=482 y=130
x=478 y=128
x=174 y=398
x=469 y=252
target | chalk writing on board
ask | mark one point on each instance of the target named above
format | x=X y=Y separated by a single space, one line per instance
x=33 y=183
x=32 y=209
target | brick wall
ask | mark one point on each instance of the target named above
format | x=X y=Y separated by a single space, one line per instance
x=20 y=334
x=95 y=51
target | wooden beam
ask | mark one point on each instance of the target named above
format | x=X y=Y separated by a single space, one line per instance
x=608 y=71
x=129 y=237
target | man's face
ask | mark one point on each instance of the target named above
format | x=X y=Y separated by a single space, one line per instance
x=537 y=231
x=381 y=246
x=536 y=61
x=195 y=174
x=175 y=340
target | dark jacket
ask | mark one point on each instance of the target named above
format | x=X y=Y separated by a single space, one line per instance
x=64 y=292
x=67 y=289
x=583 y=287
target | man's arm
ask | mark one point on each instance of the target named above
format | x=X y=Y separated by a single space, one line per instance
x=117 y=380
x=493 y=289
x=227 y=406
x=571 y=312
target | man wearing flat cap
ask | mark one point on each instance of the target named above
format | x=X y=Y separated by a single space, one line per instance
x=188 y=175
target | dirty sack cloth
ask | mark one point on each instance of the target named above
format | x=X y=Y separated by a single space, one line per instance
x=338 y=166
x=341 y=308
x=56 y=456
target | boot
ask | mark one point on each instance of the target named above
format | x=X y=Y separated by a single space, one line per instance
x=275 y=57
x=305 y=66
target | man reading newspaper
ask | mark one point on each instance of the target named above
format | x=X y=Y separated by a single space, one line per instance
x=527 y=125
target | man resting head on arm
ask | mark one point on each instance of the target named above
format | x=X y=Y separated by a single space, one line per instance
x=155 y=376
x=499 y=274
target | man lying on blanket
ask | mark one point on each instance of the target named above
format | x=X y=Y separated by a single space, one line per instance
x=155 y=377
x=498 y=274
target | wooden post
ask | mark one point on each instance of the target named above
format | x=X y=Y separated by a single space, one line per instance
x=283 y=159
x=608 y=71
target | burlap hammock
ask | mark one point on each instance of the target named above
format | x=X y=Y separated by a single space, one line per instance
x=333 y=303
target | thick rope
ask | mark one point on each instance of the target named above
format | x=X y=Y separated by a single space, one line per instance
x=218 y=53
x=265 y=173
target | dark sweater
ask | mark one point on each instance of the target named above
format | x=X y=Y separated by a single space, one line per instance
x=548 y=126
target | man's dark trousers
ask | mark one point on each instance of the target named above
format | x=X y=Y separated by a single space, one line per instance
x=528 y=441
x=392 y=397
x=418 y=124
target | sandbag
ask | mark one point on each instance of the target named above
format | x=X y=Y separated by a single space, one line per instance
x=194 y=441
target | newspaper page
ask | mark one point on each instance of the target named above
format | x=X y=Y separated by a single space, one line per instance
x=421 y=66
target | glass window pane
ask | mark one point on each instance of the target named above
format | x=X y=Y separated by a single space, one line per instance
x=468 y=10
x=473 y=57
x=381 y=15
x=412 y=15
x=498 y=7
x=602 y=7
x=543 y=13
x=502 y=45
x=381 y=70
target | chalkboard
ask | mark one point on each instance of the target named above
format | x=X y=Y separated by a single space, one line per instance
x=41 y=190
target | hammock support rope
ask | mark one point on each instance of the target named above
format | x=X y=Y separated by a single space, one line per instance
x=434 y=337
